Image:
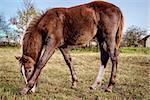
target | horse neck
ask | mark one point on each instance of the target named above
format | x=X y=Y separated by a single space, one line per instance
x=32 y=45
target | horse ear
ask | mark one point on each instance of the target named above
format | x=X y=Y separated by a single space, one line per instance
x=25 y=58
x=18 y=57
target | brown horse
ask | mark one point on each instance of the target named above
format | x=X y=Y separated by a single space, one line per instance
x=63 y=27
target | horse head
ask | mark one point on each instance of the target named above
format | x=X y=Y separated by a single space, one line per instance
x=27 y=66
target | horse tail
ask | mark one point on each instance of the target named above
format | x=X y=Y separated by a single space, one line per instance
x=119 y=31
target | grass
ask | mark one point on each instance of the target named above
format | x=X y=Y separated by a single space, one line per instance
x=135 y=50
x=122 y=50
x=55 y=81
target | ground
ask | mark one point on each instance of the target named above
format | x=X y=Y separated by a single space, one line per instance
x=55 y=80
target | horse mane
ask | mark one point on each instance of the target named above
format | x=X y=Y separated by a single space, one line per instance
x=31 y=38
x=34 y=22
x=31 y=27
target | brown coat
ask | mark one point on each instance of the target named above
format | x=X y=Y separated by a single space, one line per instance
x=63 y=27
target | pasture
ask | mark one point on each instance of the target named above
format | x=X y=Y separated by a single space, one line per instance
x=55 y=80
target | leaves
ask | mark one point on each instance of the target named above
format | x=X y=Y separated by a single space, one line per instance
x=3 y=25
x=133 y=35
x=24 y=16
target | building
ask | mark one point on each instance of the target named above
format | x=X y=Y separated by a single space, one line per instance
x=8 y=42
x=145 y=42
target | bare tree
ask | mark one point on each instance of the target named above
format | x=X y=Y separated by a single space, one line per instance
x=24 y=16
x=5 y=29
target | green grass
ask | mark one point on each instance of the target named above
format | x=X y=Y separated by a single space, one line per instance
x=122 y=50
x=135 y=50
x=80 y=50
x=55 y=80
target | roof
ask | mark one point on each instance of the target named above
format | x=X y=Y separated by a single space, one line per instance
x=145 y=38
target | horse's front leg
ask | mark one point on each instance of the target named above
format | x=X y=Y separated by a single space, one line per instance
x=68 y=60
x=49 y=50
x=26 y=89
x=34 y=87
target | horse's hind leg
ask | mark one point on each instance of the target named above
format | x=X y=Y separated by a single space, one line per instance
x=113 y=72
x=114 y=59
x=67 y=58
x=103 y=62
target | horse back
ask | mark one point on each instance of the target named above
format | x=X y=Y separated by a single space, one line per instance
x=80 y=23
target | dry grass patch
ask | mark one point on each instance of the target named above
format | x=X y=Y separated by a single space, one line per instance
x=55 y=80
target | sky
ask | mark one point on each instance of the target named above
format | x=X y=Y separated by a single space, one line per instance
x=136 y=12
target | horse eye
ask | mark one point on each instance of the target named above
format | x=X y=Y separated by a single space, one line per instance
x=30 y=70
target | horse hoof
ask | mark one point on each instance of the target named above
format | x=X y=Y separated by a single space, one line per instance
x=108 y=90
x=24 y=91
x=33 y=89
x=73 y=86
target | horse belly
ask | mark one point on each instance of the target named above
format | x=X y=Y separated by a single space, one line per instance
x=84 y=39
x=80 y=26
x=83 y=36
